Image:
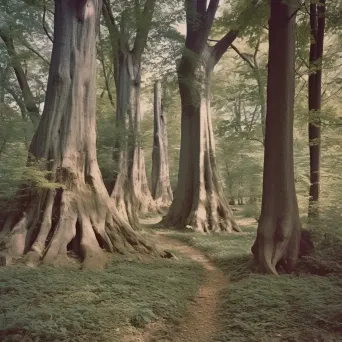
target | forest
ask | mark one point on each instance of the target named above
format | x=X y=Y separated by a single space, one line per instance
x=170 y=170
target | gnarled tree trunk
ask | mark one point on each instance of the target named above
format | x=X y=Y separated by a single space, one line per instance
x=161 y=187
x=317 y=25
x=278 y=235
x=78 y=215
x=199 y=200
x=131 y=192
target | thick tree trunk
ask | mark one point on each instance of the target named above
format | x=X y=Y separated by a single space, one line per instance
x=78 y=215
x=161 y=187
x=131 y=192
x=317 y=25
x=199 y=200
x=278 y=235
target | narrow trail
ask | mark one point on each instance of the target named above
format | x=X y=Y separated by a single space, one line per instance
x=201 y=320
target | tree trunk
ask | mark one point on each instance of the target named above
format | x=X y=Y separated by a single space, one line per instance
x=77 y=215
x=278 y=234
x=262 y=100
x=131 y=192
x=199 y=200
x=161 y=187
x=317 y=25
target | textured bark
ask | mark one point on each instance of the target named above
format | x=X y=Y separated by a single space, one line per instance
x=199 y=201
x=131 y=192
x=317 y=25
x=161 y=187
x=78 y=216
x=31 y=106
x=278 y=235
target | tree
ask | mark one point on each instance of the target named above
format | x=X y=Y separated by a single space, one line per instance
x=131 y=192
x=317 y=24
x=73 y=211
x=279 y=230
x=161 y=187
x=199 y=201
x=29 y=101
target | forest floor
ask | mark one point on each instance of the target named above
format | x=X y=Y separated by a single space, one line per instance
x=201 y=321
x=206 y=293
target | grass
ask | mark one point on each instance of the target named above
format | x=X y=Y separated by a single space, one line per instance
x=300 y=307
x=54 y=304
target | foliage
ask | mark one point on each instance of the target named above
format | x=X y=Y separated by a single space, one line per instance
x=298 y=307
x=53 y=304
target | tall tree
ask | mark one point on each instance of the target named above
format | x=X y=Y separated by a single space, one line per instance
x=317 y=25
x=131 y=192
x=76 y=214
x=199 y=200
x=278 y=235
x=161 y=187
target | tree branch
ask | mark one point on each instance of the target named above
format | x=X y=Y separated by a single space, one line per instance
x=212 y=8
x=28 y=46
x=143 y=28
x=109 y=19
x=256 y=52
x=29 y=100
x=19 y=101
x=102 y=59
x=44 y=25
x=243 y=56
x=201 y=6
x=222 y=45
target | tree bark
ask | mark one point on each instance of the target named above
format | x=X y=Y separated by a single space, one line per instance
x=278 y=235
x=31 y=106
x=199 y=200
x=161 y=187
x=77 y=215
x=131 y=192
x=317 y=26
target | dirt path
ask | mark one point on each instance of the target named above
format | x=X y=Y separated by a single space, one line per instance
x=201 y=320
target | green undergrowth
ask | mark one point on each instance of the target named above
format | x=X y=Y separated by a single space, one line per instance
x=301 y=307
x=55 y=304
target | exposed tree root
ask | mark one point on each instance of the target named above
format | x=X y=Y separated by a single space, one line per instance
x=131 y=193
x=277 y=245
x=83 y=221
x=206 y=216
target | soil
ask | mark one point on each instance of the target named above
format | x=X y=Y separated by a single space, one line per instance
x=200 y=323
